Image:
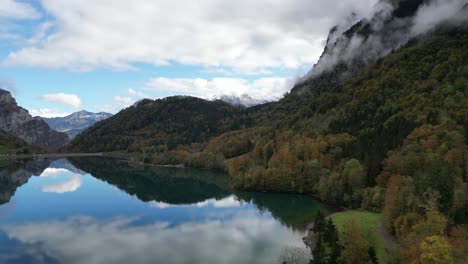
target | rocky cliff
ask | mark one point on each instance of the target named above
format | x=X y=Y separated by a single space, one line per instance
x=17 y=121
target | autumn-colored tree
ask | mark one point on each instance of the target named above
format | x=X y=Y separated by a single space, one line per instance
x=435 y=250
x=435 y=223
x=355 y=246
x=399 y=199
x=404 y=224
x=459 y=241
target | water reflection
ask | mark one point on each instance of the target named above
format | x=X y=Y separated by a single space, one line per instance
x=104 y=211
x=72 y=184
x=15 y=173
x=230 y=201
x=167 y=185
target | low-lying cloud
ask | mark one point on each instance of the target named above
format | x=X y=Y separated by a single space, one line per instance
x=431 y=15
x=48 y=112
x=269 y=89
x=387 y=33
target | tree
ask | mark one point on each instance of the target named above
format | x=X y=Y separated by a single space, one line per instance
x=354 y=177
x=435 y=223
x=318 y=253
x=355 y=246
x=333 y=242
x=319 y=223
x=438 y=175
x=373 y=255
x=435 y=250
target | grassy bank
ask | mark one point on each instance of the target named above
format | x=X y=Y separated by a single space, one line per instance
x=368 y=223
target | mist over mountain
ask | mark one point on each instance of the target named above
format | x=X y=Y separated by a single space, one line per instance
x=243 y=100
x=358 y=42
x=76 y=123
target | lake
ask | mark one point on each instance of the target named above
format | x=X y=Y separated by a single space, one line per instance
x=101 y=210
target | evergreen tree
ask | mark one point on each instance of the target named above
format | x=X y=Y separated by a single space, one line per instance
x=333 y=242
x=318 y=253
x=373 y=255
x=319 y=223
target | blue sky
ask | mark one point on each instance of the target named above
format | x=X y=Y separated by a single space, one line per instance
x=59 y=56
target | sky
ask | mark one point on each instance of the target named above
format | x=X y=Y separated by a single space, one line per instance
x=58 y=57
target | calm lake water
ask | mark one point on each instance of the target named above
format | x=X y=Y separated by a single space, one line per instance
x=99 y=210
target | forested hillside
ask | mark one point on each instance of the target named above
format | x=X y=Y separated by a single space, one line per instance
x=13 y=145
x=159 y=125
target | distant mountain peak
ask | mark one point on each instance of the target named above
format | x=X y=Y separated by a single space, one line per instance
x=77 y=122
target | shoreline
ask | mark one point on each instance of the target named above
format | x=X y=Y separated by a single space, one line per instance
x=68 y=155
x=308 y=232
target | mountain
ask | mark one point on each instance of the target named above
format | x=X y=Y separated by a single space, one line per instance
x=76 y=123
x=165 y=122
x=17 y=121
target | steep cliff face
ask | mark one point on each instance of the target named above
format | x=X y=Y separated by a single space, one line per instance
x=358 y=42
x=17 y=121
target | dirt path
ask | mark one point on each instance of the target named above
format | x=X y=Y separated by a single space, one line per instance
x=387 y=238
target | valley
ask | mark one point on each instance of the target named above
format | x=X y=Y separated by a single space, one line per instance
x=366 y=153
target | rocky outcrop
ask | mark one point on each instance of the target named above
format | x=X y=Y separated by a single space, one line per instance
x=17 y=121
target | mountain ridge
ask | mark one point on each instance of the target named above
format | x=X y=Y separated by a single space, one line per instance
x=190 y=120
x=76 y=123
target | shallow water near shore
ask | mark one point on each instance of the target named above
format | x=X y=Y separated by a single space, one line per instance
x=100 y=210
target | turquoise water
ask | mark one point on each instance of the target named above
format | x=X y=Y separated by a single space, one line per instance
x=98 y=210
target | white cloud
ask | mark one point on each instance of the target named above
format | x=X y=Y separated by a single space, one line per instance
x=47 y=112
x=260 y=89
x=71 y=185
x=62 y=98
x=17 y=10
x=244 y=34
x=124 y=101
x=138 y=94
x=118 y=103
x=430 y=15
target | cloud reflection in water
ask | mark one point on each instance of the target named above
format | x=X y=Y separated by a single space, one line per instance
x=245 y=238
x=70 y=185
